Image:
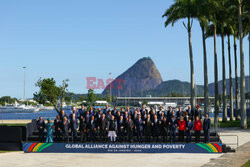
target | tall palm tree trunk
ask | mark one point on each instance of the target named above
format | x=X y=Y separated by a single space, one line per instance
x=191 y=66
x=206 y=100
x=230 y=79
x=216 y=90
x=242 y=74
x=224 y=93
x=237 y=105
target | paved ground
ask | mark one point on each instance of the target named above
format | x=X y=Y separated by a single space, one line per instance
x=19 y=159
x=232 y=159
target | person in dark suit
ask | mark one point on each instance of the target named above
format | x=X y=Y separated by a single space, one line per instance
x=129 y=128
x=172 y=129
x=81 y=111
x=65 y=130
x=189 y=129
x=87 y=117
x=91 y=128
x=103 y=128
x=164 y=129
x=83 y=129
x=190 y=113
x=169 y=114
x=74 y=127
x=121 y=129
x=148 y=128
x=40 y=126
x=57 y=124
x=155 y=128
x=206 y=128
x=139 y=128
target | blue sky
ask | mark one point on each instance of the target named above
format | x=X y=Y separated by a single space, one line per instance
x=78 y=39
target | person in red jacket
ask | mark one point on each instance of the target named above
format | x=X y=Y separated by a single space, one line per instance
x=181 y=128
x=197 y=129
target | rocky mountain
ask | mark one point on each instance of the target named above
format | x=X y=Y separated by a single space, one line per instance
x=140 y=77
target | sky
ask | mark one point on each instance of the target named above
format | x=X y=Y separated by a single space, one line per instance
x=77 y=39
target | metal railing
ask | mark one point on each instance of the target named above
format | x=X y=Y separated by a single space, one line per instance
x=230 y=143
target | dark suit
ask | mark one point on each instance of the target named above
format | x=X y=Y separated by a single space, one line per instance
x=65 y=131
x=129 y=129
x=74 y=127
x=57 y=124
x=40 y=127
x=156 y=129
x=103 y=128
x=121 y=129
x=139 y=128
x=83 y=130
x=189 y=127
x=206 y=129
x=148 y=129
x=91 y=126
x=164 y=130
x=172 y=129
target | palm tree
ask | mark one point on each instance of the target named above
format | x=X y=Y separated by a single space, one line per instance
x=242 y=72
x=214 y=16
x=184 y=9
x=229 y=32
x=202 y=18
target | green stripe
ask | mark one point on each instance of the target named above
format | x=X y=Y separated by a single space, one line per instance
x=204 y=144
x=49 y=144
x=43 y=145
x=203 y=147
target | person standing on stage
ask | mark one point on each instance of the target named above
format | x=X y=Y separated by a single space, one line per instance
x=139 y=128
x=91 y=129
x=129 y=128
x=172 y=129
x=74 y=127
x=49 y=129
x=181 y=128
x=65 y=129
x=197 y=129
x=83 y=129
x=206 y=128
x=189 y=129
x=164 y=129
x=40 y=126
x=147 y=128
x=112 y=127
x=121 y=129
x=156 y=128
x=57 y=124
x=103 y=127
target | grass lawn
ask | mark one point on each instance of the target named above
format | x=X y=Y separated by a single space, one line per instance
x=232 y=123
x=247 y=164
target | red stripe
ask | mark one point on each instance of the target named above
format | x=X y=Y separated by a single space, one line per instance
x=31 y=147
x=218 y=147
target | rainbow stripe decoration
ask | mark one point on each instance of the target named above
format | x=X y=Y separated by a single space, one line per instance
x=35 y=147
x=211 y=147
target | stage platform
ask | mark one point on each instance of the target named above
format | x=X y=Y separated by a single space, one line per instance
x=122 y=148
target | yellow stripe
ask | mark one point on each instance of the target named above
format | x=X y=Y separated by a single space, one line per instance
x=36 y=147
x=213 y=148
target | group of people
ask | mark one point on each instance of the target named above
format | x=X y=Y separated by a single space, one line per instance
x=126 y=125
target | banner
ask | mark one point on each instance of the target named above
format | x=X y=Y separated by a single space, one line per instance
x=122 y=148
